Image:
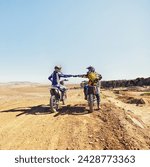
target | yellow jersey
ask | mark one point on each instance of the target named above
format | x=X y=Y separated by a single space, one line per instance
x=93 y=78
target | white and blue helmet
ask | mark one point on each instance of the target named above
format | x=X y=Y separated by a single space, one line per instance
x=91 y=68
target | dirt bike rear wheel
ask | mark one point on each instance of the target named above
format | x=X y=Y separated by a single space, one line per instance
x=64 y=98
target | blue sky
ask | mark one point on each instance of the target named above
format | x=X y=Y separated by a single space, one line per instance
x=111 y=35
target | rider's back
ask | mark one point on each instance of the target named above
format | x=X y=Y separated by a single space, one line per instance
x=54 y=77
x=94 y=78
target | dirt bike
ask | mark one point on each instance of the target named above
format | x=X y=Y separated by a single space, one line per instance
x=91 y=97
x=57 y=95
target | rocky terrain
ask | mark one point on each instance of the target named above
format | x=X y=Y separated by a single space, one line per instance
x=126 y=83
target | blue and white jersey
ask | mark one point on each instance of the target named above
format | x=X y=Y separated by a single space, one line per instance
x=55 y=77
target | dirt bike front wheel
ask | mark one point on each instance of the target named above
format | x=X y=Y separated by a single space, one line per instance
x=54 y=104
x=91 y=102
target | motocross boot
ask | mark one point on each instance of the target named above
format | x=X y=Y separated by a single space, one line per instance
x=98 y=106
x=53 y=111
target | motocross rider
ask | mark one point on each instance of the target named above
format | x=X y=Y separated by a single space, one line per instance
x=55 y=79
x=94 y=80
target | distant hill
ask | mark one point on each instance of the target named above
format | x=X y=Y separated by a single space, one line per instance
x=19 y=83
x=126 y=83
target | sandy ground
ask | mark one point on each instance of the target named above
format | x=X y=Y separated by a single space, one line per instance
x=27 y=123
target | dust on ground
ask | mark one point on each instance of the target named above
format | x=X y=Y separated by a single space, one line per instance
x=26 y=121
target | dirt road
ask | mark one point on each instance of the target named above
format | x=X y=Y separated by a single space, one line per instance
x=27 y=123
